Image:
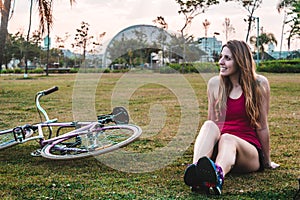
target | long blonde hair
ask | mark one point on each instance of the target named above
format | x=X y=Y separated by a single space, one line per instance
x=242 y=56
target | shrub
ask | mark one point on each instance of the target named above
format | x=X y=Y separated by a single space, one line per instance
x=120 y=70
x=280 y=66
x=18 y=71
x=206 y=67
x=11 y=71
x=74 y=70
x=37 y=71
x=167 y=70
x=106 y=70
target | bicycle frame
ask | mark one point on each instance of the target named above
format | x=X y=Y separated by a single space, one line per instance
x=51 y=123
x=25 y=133
x=41 y=136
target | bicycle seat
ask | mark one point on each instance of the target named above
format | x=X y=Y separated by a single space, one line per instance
x=120 y=115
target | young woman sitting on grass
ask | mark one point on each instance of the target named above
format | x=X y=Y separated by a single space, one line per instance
x=236 y=135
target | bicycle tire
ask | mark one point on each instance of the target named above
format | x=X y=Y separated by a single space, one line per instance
x=94 y=141
x=7 y=138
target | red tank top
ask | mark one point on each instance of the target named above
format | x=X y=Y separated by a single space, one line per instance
x=237 y=122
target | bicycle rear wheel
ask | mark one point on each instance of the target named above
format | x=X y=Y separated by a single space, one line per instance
x=7 y=137
x=94 y=141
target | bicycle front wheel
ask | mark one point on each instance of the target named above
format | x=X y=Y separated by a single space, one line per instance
x=8 y=138
x=94 y=141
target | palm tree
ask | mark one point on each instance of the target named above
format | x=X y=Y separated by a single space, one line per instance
x=282 y=6
x=5 y=10
x=263 y=39
x=45 y=14
x=291 y=10
x=46 y=22
x=289 y=7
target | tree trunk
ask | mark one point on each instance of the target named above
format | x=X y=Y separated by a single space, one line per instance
x=27 y=40
x=249 y=27
x=3 y=29
x=48 y=49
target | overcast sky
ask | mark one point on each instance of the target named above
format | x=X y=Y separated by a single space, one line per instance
x=112 y=16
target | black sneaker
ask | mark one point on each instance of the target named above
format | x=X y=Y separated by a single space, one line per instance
x=204 y=176
x=211 y=175
x=191 y=177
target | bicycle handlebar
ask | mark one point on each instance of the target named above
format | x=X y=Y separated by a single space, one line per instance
x=51 y=90
x=39 y=95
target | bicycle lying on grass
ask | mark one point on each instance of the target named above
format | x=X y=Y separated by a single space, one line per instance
x=73 y=139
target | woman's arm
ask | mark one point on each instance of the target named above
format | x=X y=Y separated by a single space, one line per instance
x=212 y=92
x=263 y=132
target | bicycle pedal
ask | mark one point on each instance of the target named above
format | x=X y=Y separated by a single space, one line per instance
x=36 y=153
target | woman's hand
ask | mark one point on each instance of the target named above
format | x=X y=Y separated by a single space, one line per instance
x=272 y=165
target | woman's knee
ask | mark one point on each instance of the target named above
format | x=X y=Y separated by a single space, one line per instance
x=211 y=125
x=227 y=139
x=209 y=128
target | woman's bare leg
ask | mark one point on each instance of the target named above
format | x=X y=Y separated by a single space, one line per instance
x=236 y=152
x=207 y=138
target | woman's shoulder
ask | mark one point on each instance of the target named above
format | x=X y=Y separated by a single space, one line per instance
x=262 y=80
x=215 y=80
x=213 y=86
x=263 y=83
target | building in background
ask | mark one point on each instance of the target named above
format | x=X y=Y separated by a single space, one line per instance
x=211 y=46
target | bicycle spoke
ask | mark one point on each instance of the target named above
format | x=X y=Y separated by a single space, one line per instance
x=97 y=140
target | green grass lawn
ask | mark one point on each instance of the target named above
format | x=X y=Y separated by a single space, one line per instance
x=158 y=109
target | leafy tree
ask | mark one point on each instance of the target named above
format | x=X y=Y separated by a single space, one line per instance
x=292 y=17
x=17 y=45
x=192 y=8
x=161 y=22
x=228 y=28
x=191 y=52
x=250 y=6
x=162 y=36
x=61 y=40
x=45 y=16
x=127 y=48
x=36 y=38
x=139 y=52
x=5 y=10
x=83 y=40
x=263 y=39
